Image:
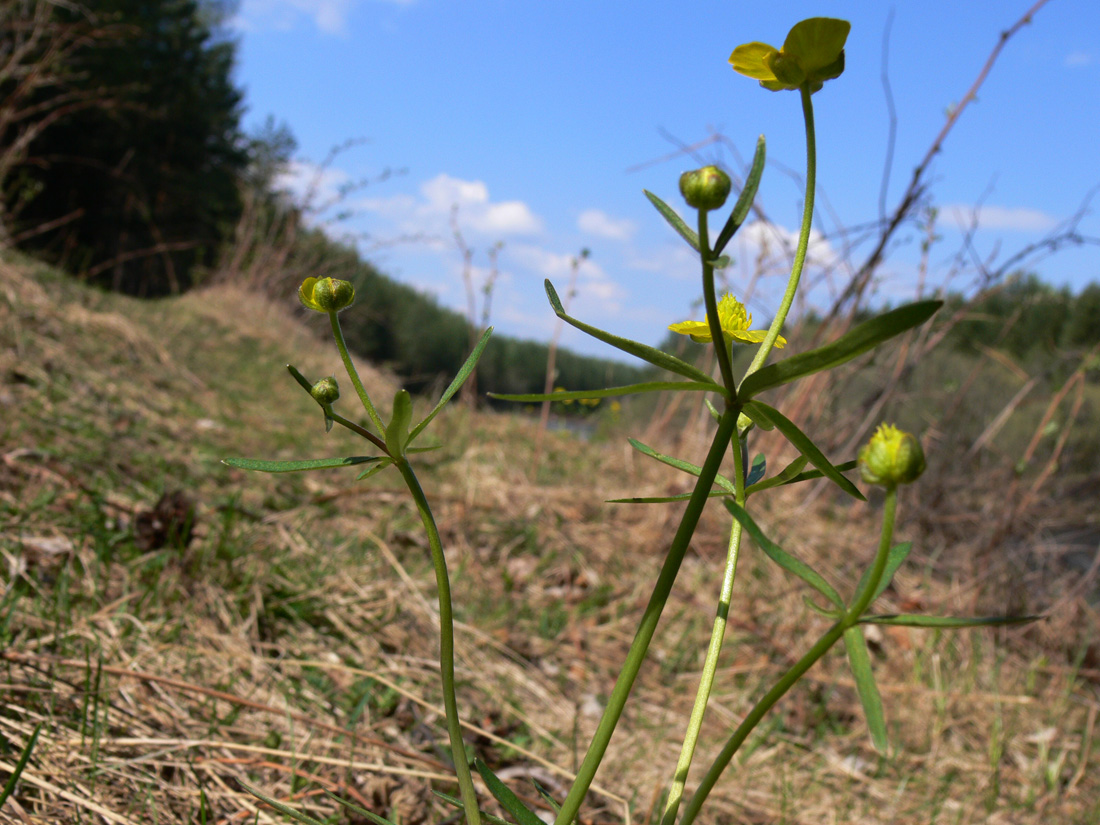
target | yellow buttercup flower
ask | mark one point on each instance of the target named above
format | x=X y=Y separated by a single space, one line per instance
x=812 y=53
x=735 y=322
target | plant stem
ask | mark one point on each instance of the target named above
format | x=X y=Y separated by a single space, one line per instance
x=803 y=237
x=710 y=665
x=636 y=655
x=355 y=428
x=859 y=604
x=353 y=374
x=718 y=337
x=863 y=600
x=446 y=643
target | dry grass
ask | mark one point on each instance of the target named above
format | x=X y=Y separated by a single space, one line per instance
x=291 y=643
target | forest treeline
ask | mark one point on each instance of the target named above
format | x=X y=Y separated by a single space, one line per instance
x=123 y=159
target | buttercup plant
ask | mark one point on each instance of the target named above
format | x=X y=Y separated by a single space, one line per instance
x=812 y=54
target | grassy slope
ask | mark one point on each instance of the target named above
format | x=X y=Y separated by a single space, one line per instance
x=290 y=644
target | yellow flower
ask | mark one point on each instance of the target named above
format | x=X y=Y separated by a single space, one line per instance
x=812 y=53
x=735 y=322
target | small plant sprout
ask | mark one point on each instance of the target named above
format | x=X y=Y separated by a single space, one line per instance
x=812 y=54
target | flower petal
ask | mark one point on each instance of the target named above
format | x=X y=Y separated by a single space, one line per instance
x=749 y=59
x=698 y=330
x=817 y=42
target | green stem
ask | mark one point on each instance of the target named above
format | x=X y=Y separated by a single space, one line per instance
x=636 y=655
x=353 y=374
x=446 y=644
x=355 y=428
x=851 y=618
x=803 y=237
x=710 y=665
x=718 y=337
x=757 y=713
x=864 y=598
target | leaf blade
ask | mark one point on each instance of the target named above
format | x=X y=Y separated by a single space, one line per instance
x=505 y=796
x=262 y=466
x=397 y=431
x=649 y=354
x=455 y=385
x=803 y=444
x=948 y=622
x=864 y=337
x=609 y=392
x=784 y=559
x=859 y=659
x=680 y=464
x=745 y=199
x=674 y=220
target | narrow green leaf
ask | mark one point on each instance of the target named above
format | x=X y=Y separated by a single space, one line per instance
x=910 y=620
x=680 y=464
x=896 y=558
x=646 y=353
x=546 y=796
x=301 y=379
x=823 y=611
x=757 y=471
x=744 y=201
x=782 y=557
x=456 y=384
x=674 y=220
x=856 y=342
x=24 y=757
x=376 y=469
x=860 y=661
x=510 y=802
x=812 y=474
x=351 y=806
x=454 y=800
x=297 y=816
x=664 y=499
x=784 y=476
x=298 y=466
x=610 y=392
x=713 y=410
x=758 y=410
x=397 y=431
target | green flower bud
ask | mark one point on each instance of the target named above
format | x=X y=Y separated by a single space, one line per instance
x=325 y=391
x=891 y=457
x=705 y=188
x=326 y=294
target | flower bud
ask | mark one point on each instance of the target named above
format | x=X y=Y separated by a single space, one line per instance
x=705 y=188
x=325 y=391
x=891 y=457
x=326 y=294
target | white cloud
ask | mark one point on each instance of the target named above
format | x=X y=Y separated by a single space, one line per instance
x=594 y=286
x=1075 y=59
x=599 y=223
x=430 y=214
x=1019 y=219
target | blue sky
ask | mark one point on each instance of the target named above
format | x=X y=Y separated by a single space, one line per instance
x=544 y=121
